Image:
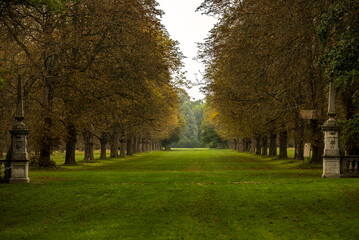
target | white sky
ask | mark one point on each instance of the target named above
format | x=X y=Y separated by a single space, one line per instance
x=188 y=27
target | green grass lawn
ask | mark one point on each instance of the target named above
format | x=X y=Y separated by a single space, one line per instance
x=181 y=194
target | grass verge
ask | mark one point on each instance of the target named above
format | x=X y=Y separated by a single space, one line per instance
x=181 y=194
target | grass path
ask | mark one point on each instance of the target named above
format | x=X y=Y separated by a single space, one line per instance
x=182 y=194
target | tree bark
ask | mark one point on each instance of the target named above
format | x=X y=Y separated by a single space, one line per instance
x=149 y=145
x=247 y=144
x=168 y=147
x=317 y=144
x=46 y=137
x=45 y=142
x=258 y=147
x=140 y=145
x=273 y=144
x=143 y=146
x=103 y=142
x=70 y=145
x=158 y=145
x=299 y=150
x=135 y=145
x=229 y=143
x=240 y=145
x=114 y=144
x=89 y=142
x=129 y=145
x=283 y=138
x=123 y=146
x=264 y=145
x=253 y=145
x=299 y=139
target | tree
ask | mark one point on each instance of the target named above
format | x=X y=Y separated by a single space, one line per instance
x=262 y=71
x=192 y=112
x=96 y=70
x=338 y=33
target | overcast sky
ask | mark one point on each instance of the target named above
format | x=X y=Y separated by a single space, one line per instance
x=188 y=27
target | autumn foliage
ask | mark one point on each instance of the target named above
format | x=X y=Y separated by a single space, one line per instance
x=92 y=70
x=266 y=64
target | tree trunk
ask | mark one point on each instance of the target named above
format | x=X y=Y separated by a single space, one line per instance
x=168 y=147
x=129 y=145
x=258 y=147
x=103 y=142
x=253 y=145
x=247 y=144
x=148 y=145
x=318 y=143
x=143 y=146
x=114 y=144
x=89 y=142
x=139 y=146
x=299 y=150
x=70 y=145
x=230 y=146
x=135 y=145
x=45 y=143
x=123 y=146
x=299 y=139
x=264 y=145
x=240 y=145
x=283 y=138
x=46 y=137
x=273 y=144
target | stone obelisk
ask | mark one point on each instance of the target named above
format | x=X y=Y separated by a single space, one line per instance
x=331 y=157
x=19 y=156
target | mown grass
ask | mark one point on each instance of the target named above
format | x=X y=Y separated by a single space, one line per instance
x=181 y=194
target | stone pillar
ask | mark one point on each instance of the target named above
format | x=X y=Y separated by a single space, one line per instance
x=19 y=156
x=331 y=157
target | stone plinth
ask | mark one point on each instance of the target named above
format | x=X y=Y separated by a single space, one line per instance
x=18 y=158
x=331 y=157
x=331 y=167
x=19 y=155
x=19 y=172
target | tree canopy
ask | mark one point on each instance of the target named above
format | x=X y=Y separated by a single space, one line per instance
x=105 y=71
x=264 y=73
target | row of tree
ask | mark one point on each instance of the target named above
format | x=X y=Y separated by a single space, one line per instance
x=268 y=64
x=192 y=112
x=103 y=70
x=195 y=131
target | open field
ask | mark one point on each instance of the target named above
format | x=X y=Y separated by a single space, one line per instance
x=182 y=194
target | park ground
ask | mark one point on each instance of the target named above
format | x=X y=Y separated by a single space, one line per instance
x=181 y=194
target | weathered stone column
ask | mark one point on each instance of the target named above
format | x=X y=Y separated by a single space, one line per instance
x=331 y=157
x=19 y=156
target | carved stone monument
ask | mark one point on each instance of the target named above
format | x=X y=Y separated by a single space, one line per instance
x=19 y=156
x=331 y=157
x=307 y=149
